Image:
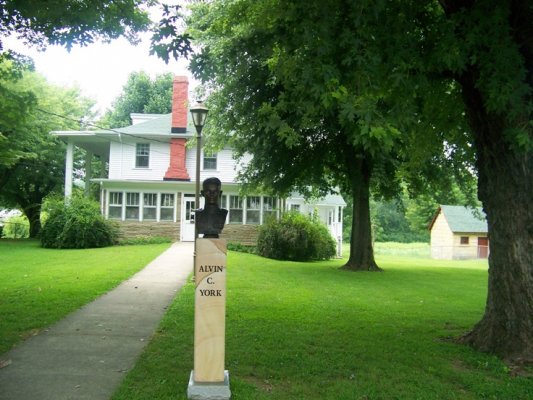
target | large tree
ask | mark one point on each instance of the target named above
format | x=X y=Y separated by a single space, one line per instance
x=494 y=73
x=34 y=165
x=286 y=89
x=140 y=94
x=476 y=58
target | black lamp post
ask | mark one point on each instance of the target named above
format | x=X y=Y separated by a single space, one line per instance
x=199 y=115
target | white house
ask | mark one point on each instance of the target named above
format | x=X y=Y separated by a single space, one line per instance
x=149 y=187
x=458 y=232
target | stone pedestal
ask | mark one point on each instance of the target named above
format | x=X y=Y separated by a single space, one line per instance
x=209 y=380
x=209 y=391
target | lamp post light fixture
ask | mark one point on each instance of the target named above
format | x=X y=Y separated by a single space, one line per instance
x=199 y=115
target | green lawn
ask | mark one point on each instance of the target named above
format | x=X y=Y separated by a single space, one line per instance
x=40 y=286
x=422 y=250
x=312 y=331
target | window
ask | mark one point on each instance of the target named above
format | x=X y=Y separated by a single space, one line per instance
x=150 y=206
x=295 y=207
x=253 y=209
x=210 y=161
x=464 y=239
x=132 y=206
x=235 y=210
x=115 y=205
x=167 y=207
x=331 y=217
x=142 y=155
x=269 y=205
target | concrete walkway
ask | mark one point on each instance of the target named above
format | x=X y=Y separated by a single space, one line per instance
x=86 y=355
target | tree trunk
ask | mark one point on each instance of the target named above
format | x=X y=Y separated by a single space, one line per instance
x=361 y=250
x=33 y=213
x=506 y=191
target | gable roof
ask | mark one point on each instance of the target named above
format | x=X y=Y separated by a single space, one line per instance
x=463 y=219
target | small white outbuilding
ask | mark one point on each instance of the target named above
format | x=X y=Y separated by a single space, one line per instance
x=459 y=232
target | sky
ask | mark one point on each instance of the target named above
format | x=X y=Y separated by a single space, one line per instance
x=100 y=70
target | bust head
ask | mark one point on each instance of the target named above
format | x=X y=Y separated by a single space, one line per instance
x=211 y=219
x=211 y=191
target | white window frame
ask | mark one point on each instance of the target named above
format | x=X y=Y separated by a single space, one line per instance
x=266 y=212
x=133 y=201
x=142 y=152
x=253 y=207
x=149 y=206
x=115 y=205
x=210 y=158
x=167 y=207
x=233 y=210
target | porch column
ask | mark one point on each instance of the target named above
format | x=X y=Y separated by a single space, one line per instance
x=69 y=162
x=88 y=172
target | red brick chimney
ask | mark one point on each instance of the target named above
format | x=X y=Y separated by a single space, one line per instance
x=177 y=171
x=180 y=104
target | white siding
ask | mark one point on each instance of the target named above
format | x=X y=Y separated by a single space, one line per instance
x=122 y=161
x=465 y=251
x=226 y=166
x=441 y=239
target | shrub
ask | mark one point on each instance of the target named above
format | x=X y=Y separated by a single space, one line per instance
x=241 y=248
x=76 y=225
x=295 y=237
x=17 y=227
x=144 y=240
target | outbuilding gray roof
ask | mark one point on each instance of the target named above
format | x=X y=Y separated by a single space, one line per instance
x=465 y=220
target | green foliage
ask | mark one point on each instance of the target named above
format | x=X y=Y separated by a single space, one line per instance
x=139 y=240
x=241 y=248
x=140 y=94
x=295 y=237
x=16 y=101
x=454 y=77
x=77 y=225
x=167 y=38
x=31 y=160
x=72 y=22
x=391 y=225
x=16 y=228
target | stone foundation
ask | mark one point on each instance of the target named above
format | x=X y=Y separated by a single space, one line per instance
x=244 y=234
x=133 y=229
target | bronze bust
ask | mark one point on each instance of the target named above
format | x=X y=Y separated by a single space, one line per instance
x=210 y=220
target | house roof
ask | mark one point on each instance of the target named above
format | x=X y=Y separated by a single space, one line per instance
x=158 y=127
x=329 y=200
x=155 y=126
x=463 y=219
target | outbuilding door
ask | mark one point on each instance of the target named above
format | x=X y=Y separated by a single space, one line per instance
x=482 y=247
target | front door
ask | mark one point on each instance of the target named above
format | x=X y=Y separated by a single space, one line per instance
x=187 y=221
